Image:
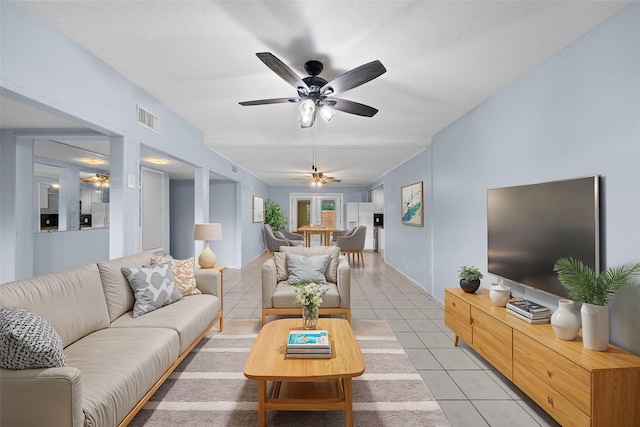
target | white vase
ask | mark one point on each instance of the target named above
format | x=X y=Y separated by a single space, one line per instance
x=595 y=326
x=565 y=320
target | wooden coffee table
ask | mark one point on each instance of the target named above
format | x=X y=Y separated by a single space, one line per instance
x=305 y=384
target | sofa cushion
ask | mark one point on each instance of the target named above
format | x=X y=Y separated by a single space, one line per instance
x=153 y=287
x=27 y=341
x=119 y=366
x=307 y=269
x=71 y=300
x=189 y=317
x=183 y=273
x=117 y=292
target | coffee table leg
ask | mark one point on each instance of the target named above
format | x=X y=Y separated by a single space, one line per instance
x=262 y=398
x=348 y=401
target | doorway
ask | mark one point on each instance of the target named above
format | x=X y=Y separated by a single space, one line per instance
x=315 y=209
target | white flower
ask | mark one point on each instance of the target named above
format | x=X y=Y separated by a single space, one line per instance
x=310 y=294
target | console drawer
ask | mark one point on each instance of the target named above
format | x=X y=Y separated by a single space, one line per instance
x=561 y=409
x=532 y=359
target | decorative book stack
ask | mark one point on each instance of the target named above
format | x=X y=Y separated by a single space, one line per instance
x=529 y=311
x=308 y=345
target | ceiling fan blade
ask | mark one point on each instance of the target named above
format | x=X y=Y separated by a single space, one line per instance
x=281 y=69
x=354 y=78
x=351 y=107
x=269 y=101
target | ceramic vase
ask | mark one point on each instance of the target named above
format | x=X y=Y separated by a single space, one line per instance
x=566 y=321
x=470 y=287
x=309 y=317
x=595 y=327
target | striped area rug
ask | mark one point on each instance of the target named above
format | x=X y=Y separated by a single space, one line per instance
x=209 y=388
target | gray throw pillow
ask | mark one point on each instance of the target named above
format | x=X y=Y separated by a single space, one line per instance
x=27 y=341
x=307 y=269
x=153 y=287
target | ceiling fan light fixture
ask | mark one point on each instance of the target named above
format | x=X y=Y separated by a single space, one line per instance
x=327 y=113
x=307 y=111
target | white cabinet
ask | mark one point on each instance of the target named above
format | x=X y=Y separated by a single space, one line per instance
x=361 y=214
x=377 y=198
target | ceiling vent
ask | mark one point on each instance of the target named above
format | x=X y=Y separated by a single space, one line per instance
x=234 y=168
x=148 y=120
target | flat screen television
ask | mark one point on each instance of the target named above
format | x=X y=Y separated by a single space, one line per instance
x=531 y=226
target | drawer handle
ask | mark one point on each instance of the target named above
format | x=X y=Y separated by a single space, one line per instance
x=550 y=400
x=453 y=304
x=550 y=374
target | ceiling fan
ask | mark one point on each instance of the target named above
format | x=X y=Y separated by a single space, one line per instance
x=315 y=94
x=99 y=180
x=319 y=178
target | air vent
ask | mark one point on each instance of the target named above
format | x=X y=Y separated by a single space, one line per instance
x=148 y=120
x=234 y=169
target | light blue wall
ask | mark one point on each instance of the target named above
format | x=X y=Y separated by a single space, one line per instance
x=181 y=220
x=576 y=114
x=406 y=247
x=223 y=209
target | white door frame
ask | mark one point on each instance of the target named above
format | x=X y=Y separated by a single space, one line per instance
x=316 y=203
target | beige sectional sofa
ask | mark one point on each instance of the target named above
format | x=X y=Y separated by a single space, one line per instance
x=115 y=361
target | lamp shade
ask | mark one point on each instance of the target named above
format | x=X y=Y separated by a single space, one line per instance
x=211 y=231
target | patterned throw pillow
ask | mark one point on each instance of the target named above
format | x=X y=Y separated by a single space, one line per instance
x=183 y=273
x=153 y=287
x=27 y=341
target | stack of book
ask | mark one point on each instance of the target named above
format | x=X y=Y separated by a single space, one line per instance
x=308 y=344
x=529 y=311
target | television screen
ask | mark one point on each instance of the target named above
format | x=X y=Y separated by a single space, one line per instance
x=531 y=226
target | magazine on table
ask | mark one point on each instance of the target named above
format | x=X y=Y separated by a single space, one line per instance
x=528 y=306
x=308 y=339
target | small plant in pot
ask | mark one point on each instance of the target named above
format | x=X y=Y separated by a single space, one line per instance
x=469 y=278
x=594 y=292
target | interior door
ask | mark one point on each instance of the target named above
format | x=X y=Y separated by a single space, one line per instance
x=151 y=190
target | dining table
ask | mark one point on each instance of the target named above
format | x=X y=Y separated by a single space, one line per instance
x=324 y=231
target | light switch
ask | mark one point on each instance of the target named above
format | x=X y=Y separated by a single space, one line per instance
x=131 y=181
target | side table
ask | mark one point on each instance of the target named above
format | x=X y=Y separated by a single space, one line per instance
x=221 y=269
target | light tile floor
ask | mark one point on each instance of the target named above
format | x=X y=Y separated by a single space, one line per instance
x=468 y=389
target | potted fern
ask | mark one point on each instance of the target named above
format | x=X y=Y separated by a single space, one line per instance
x=595 y=293
x=274 y=216
x=469 y=278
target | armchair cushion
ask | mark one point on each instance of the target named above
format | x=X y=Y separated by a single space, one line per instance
x=307 y=269
x=331 y=274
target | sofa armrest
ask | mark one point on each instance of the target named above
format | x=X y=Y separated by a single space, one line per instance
x=41 y=397
x=209 y=281
x=269 y=282
x=344 y=282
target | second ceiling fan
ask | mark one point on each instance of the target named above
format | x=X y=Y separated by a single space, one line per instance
x=315 y=94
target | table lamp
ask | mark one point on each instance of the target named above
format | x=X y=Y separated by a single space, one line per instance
x=206 y=232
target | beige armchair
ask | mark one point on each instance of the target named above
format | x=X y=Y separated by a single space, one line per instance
x=353 y=244
x=278 y=295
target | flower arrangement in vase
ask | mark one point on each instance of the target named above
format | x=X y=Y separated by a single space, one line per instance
x=309 y=296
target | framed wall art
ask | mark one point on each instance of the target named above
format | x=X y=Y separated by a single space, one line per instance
x=258 y=209
x=412 y=204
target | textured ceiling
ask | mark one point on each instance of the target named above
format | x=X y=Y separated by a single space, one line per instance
x=443 y=59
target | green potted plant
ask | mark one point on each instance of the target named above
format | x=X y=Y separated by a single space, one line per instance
x=469 y=278
x=274 y=216
x=595 y=292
